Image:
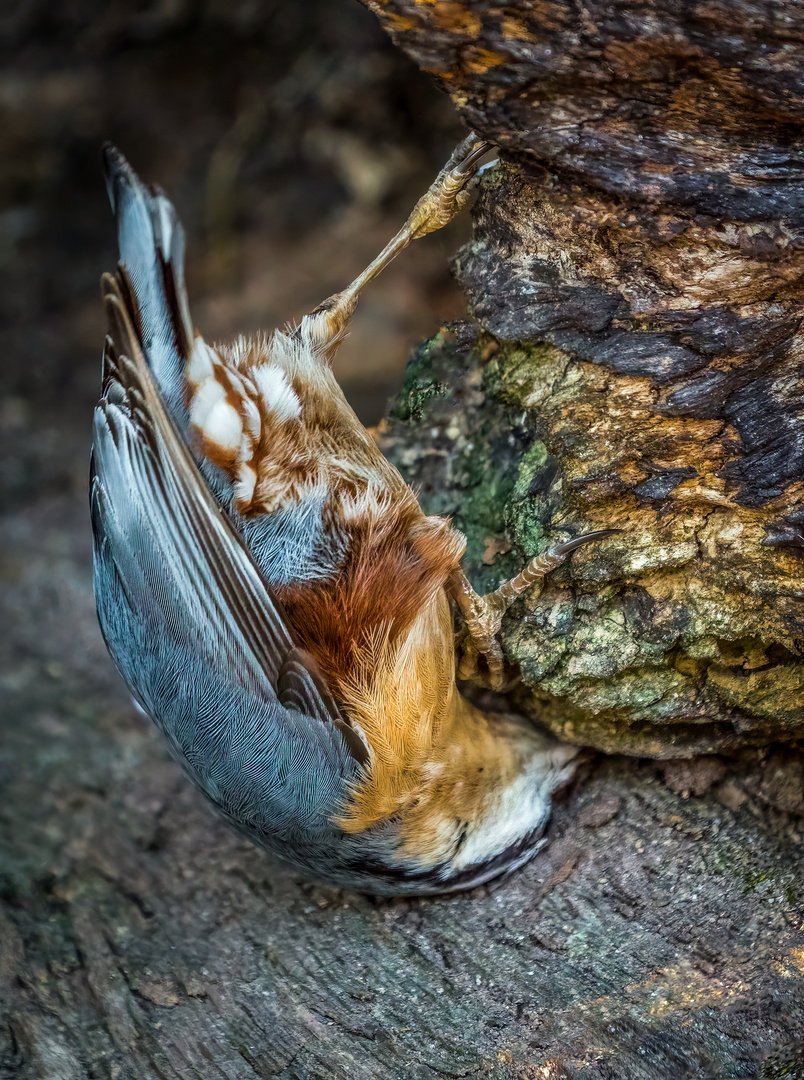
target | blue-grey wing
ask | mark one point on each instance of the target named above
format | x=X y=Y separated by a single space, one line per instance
x=194 y=630
x=151 y=243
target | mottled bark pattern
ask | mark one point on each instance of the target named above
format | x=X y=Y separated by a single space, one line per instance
x=636 y=275
x=659 y=935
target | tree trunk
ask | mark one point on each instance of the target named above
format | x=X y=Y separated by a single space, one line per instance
x=631 y=363
x=635 y=284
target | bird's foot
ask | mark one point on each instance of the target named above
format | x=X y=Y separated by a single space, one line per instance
x=450 y=191
x=445 y=198
x=483 y=615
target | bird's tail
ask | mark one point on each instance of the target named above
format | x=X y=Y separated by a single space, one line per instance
x=151 y=244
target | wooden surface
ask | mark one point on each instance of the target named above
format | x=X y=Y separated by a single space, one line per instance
x=659 y=935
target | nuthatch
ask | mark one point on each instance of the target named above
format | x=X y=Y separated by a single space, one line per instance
x=278 y=602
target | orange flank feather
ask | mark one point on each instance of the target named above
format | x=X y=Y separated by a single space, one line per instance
x=436 y=759
x=397 y=560
x=381 y=631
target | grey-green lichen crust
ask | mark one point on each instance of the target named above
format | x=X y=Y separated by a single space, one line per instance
x=679 y=635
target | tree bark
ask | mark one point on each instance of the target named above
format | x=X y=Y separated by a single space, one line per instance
x=635 y=285
x=659 y=936
x=660 y=933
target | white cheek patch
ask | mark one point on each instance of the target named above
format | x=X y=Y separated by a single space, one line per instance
x=520 y=807
x=276 y=392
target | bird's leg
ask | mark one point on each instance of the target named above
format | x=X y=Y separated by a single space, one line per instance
x=483 y=615
x=446 y=197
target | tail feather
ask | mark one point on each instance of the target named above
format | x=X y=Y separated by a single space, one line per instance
x=151 y=243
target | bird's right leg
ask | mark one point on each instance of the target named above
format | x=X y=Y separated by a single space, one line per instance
x=483 y=615
x=445 y=198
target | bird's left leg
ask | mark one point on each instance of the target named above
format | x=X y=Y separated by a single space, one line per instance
x=446 y=197
x=483 y=615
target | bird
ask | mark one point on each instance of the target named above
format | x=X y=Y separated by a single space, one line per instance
x=278 y=602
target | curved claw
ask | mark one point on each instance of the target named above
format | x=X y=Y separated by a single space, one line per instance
x=561 y=550
x=483 y=615
x=468 y=163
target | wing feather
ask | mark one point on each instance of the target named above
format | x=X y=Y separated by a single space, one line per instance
x=193 y=627
x=151 y=243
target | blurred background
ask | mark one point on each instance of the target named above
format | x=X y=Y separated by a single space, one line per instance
x=293 y=140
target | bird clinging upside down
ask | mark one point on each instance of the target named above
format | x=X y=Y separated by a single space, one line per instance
x=278 y=602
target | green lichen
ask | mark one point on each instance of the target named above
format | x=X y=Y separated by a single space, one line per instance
x=772 y=884
x=665 y=641
x=784 y=1065
x=520 y=376
x=480 y=513
x=417 y=387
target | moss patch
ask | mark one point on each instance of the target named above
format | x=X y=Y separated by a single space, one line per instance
x=677 y=636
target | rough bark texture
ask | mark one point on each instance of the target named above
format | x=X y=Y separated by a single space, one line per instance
x=660 y=935
x=636 y=278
